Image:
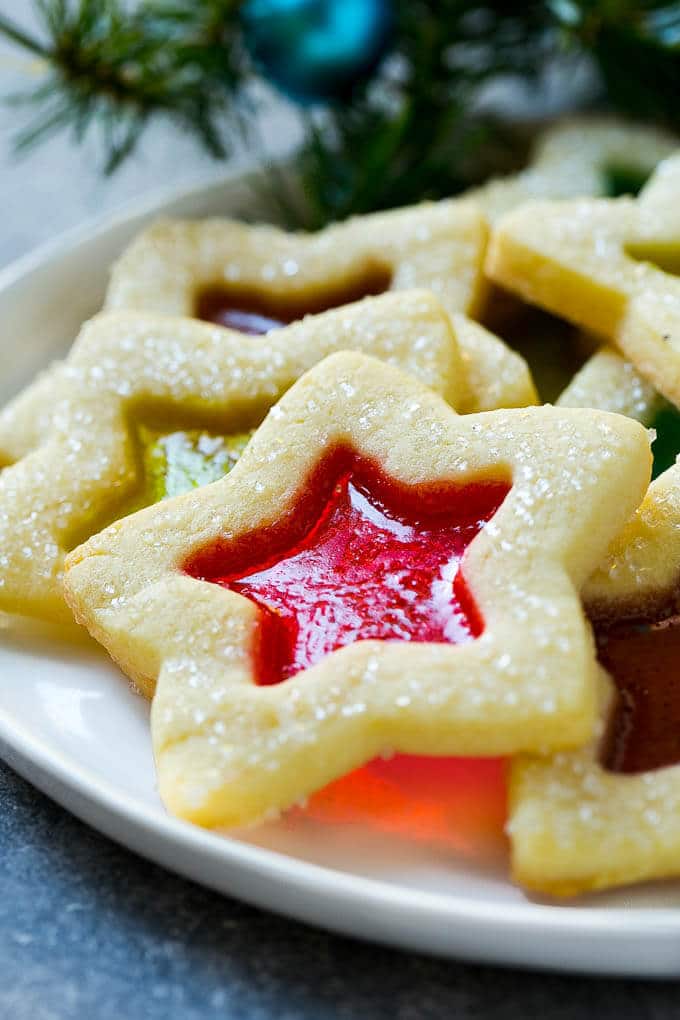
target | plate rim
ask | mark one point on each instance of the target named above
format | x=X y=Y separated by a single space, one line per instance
x=489 y=932
x=51 y=771
x=22 y=742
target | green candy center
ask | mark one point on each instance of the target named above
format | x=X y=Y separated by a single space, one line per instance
x=176 y=462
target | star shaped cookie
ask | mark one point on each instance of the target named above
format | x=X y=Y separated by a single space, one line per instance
x=72 y=441
x=256 y=278
x=259 y=277
x=608 y=814
x=376 y=573
x=583 y=260
x=221 y=268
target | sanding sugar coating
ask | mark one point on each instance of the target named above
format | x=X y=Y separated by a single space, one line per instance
x=230 y=752
x=583 y=260
x=172 y=266
x=639 y=578
x=439 y=246
x=610 y=383
x=576 y=825
x=70 y=440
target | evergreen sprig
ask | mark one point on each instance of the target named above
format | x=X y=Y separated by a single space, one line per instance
x=414 y=130
x=114 y=68
x=636 y=47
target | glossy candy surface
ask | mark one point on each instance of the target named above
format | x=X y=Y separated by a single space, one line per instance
x=177 y=461
x=255 y=314
x=644 y=729
x=367 y=561
x=371 y=562
x=456 y=804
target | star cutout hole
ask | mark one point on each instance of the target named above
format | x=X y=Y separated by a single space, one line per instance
x=362 y=558
x=256 y=312
x=367 y=558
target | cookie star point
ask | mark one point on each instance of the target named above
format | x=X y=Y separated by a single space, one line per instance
x=587 y=261
x=228 y=750
x=70 y=438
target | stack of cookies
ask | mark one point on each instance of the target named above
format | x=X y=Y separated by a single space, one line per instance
x=315 y=507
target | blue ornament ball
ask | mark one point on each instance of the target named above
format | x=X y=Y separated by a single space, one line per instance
x=316 y=50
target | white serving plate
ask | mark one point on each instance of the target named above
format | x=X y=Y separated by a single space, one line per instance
x=70 y=725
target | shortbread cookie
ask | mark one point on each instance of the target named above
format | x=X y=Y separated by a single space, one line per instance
x=73 y=438
x=233 y=273
x=639 y=579
x=577 y=157
x=328 y=559
x=254 y=278
x=608 y=380
x=257 y=278
x=610 y=383
x=574 y=258
x=609 y=814
x=656 y=233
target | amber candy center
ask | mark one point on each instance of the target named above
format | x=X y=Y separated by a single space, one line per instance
x=255 y=312
x=644 y=726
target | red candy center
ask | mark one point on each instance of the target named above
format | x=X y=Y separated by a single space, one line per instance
x=364 y=557
x=372 y=561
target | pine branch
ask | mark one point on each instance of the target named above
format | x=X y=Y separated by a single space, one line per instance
x=413 y=131
x=23 y=39
x=115 y=68
x=637 y=49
